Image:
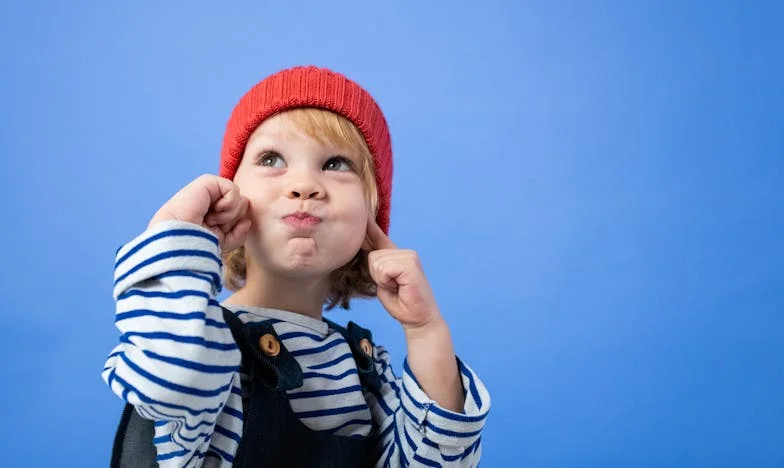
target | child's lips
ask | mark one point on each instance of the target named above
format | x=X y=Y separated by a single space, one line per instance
x=301 y=220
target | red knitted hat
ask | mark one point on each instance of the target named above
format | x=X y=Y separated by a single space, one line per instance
x=320 y=88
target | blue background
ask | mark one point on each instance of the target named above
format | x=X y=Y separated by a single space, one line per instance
x=595 y=189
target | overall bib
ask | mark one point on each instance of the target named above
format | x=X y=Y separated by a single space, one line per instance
x=273 y=435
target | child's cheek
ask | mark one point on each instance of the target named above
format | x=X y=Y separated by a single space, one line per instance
x=356 y=219
x=260 y=211
x=259 y=197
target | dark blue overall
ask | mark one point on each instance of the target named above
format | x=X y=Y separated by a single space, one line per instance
x=272 y=433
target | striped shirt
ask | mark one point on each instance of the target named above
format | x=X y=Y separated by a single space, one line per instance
x=178 y=364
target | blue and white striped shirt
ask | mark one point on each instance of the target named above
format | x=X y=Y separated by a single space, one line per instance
x=178 y=364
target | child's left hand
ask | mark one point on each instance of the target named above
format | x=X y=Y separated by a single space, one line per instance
x=402 y=287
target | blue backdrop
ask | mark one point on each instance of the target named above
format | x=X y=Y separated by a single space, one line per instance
x=595 y=188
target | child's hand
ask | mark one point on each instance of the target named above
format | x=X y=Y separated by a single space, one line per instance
x=212 y=202
x=402 y=287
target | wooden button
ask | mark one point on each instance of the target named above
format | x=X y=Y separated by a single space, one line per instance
x=270 y=345
x=366 y=347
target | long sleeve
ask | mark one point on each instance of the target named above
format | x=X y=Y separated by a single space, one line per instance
x=415 y=430
x=177 y=361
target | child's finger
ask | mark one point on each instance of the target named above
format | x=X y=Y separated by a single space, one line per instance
x=238 y=214
x=375 y=238
x=228 y=200
x=217 y=188
x=218 y=233
x=236 y=236
x=219 y=219
x=382 y=273
x=244 y=207
x=230 y=215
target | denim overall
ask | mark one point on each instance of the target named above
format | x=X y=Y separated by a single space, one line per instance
x=273 y=435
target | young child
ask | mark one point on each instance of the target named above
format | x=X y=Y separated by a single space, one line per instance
x=297 y=220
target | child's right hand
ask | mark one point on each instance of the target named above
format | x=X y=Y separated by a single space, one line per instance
x=213 y=202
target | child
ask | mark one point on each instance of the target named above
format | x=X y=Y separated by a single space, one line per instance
x=300 y=215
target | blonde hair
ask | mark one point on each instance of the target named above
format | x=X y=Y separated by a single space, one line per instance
x=328 y=128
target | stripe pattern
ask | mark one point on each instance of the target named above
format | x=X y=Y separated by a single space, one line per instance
x=177 y=363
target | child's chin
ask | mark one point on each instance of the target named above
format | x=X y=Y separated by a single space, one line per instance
x=307 y=267
x=300 y=266
x=304 y=257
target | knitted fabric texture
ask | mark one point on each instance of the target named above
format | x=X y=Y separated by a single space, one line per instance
x=314 y=87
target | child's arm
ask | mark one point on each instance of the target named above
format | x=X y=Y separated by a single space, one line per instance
x=431 y=357
x=443 y=403
x=177 y=361
x=405 y=293
x=415 y=430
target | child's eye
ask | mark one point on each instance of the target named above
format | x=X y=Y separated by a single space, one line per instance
x=338 y=163
x=271 y=159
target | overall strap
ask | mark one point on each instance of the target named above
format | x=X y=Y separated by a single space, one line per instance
x=360 y=340
x=133 y=446
x=274 y=369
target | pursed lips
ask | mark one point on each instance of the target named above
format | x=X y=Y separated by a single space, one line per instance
x=301 y=219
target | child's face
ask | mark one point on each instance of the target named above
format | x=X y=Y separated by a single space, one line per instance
x=307 y=201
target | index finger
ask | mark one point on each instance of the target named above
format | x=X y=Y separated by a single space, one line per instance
x=376 y=238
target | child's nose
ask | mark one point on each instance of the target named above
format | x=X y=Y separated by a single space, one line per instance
x=305 y=191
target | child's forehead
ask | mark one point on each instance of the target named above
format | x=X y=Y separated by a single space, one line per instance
x=278 y=127
x=282 y=132
x=286 y=128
